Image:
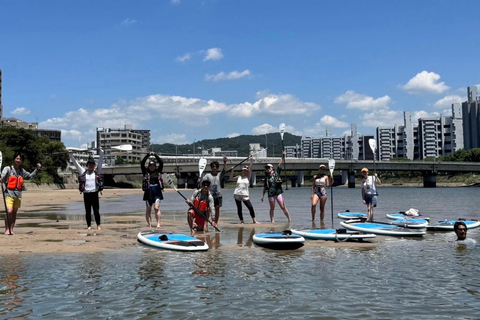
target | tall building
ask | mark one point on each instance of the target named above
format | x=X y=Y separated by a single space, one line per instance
x=471 y=119
x=110 y=141
x=1 y=106
x=399 y=141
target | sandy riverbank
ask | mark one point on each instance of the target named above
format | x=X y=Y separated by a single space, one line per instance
x=43 y=236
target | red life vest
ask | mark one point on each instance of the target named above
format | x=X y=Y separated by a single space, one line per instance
x=15 y=183
x=200 y=205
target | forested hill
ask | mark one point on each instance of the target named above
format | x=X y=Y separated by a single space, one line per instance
x=240 y=143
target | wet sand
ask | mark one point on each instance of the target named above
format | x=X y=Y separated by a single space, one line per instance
x=43 y=236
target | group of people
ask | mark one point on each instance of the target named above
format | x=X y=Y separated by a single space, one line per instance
x=203 y=201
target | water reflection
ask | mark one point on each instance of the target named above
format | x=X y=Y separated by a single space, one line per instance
x=249 y=241
x=11 y=290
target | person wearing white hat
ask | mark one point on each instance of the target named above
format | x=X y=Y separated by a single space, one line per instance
x=319 y=191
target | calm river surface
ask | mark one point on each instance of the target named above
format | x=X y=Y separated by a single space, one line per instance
x=398 y=278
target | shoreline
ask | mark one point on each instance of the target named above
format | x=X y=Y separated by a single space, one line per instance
x=119 y=232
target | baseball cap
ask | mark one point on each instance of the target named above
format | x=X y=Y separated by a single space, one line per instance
x=268 y=166
x=322 y=166
x=152 y=162
x=365 y=170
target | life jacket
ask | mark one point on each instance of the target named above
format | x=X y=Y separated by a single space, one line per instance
x=146 y=182
x=200 y=205
x=83 y=178
x=15 y=182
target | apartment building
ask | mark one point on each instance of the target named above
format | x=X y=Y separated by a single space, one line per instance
x=111 y=140
x=471 y=119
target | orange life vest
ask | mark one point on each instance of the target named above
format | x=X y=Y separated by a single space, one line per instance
x=200 y=205
x=15 y=183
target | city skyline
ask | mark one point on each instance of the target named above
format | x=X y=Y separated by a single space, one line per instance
x=194 y=70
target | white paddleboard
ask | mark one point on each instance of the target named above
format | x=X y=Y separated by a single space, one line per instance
x=401 y=215
x=379 y=228
x=334 y=234
x=447 y=225
x=351 y=215
x=285 y=240
x=410 y=223
x=171 y=241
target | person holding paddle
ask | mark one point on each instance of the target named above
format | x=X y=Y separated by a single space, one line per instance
x=273 y=187
x=241 y=194
x=369 y=192
x=202 y=201
x=319 y=191
x=215 y=179
x=13 y=177
x=152 y=186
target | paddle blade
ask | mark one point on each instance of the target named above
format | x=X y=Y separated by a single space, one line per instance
x=331 y=165
x=202 y=163
x=373 y=144
x=169 y=180
x=1 y=160
x=124 y=147
x=282 y=129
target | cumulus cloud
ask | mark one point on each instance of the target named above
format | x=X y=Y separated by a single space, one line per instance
x=184 y=58
x=128 y=22
x=227 y=76
x=233 y=135
x=447 y=101
x=21 y=111
x=383 y=117
x=264 y=128
x=425 y=82
x=268 y=103
x=359 y=101
x=332 y=122
x=213 y=54
x=424 y=114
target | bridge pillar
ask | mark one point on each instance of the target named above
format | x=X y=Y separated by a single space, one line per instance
x=429 y=179
x=351 y=179
x=300 y=178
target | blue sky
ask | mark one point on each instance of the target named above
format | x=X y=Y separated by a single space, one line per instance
x=190 y=70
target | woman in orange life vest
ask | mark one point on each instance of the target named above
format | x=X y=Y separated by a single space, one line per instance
x=152 y=186
x=13 y=177
x=203 y=201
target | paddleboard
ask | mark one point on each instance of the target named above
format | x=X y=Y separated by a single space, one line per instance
x=351 y=215
x=447 y=225
x=384 y=229
x=334 y=234
x=171 y=241
x=410 y=223
x=400 y=215
x=285 y=240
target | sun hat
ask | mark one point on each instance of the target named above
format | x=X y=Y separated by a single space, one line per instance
x=322 y=166
x=268 y=166
x=365 y=170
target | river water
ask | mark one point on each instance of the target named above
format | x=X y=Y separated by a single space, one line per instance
x=399 y=278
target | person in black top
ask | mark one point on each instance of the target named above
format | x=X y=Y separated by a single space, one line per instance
x=152 y=186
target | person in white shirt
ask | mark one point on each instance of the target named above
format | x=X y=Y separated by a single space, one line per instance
x=241 y=193
x=369 y=192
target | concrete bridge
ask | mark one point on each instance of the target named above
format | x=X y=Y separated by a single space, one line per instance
x=186 y=168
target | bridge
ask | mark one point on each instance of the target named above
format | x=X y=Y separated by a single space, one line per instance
x=186 y=168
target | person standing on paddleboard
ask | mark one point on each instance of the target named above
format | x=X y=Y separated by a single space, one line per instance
x=90 y=184
x=152 y=186
x=369 y=192
x=273 y=187
x=13 y=177
x=319 y=191
x=203 y=201
x=241 y=193
x=215 y=179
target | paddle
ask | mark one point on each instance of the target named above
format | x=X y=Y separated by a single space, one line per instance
x=373 y=146
x=202 y=163
x=242 y=162
x=331 y=166
x=282 y=131
x=200 y=213
x=4 y=202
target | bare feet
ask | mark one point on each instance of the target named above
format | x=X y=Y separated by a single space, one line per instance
x=89 y=228
x=158 y=226
x=241 y=222
x=8 y=233
x=99 y=228
x=255 y=221
x=272 y=221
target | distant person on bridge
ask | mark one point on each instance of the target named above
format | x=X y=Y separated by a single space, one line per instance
x=215 y=179
x=241 y=193
x=152 y=186
x=90 y=184
x=273 y=187
x=319 y=191
x=369 y=192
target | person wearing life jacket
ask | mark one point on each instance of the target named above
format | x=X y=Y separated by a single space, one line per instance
x=203 y=201
x=152 y=187
x=90 y=186
x=13 y=177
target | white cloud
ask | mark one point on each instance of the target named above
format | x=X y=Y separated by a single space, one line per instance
x=359 y=101
x=268 y=103
x=332 y=122
x=425 y=82
x=424 y=114
x=21 y=111
x=176 y=2
x=227 y=76
x=448 y=100
x=174 y=138
x=264 y=128
x=128 y=22
x=184 y=58
x=383 y=117
x=213 y=54
x=233 y=135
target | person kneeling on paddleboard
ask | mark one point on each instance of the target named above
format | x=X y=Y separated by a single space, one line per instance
x=203 y=203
